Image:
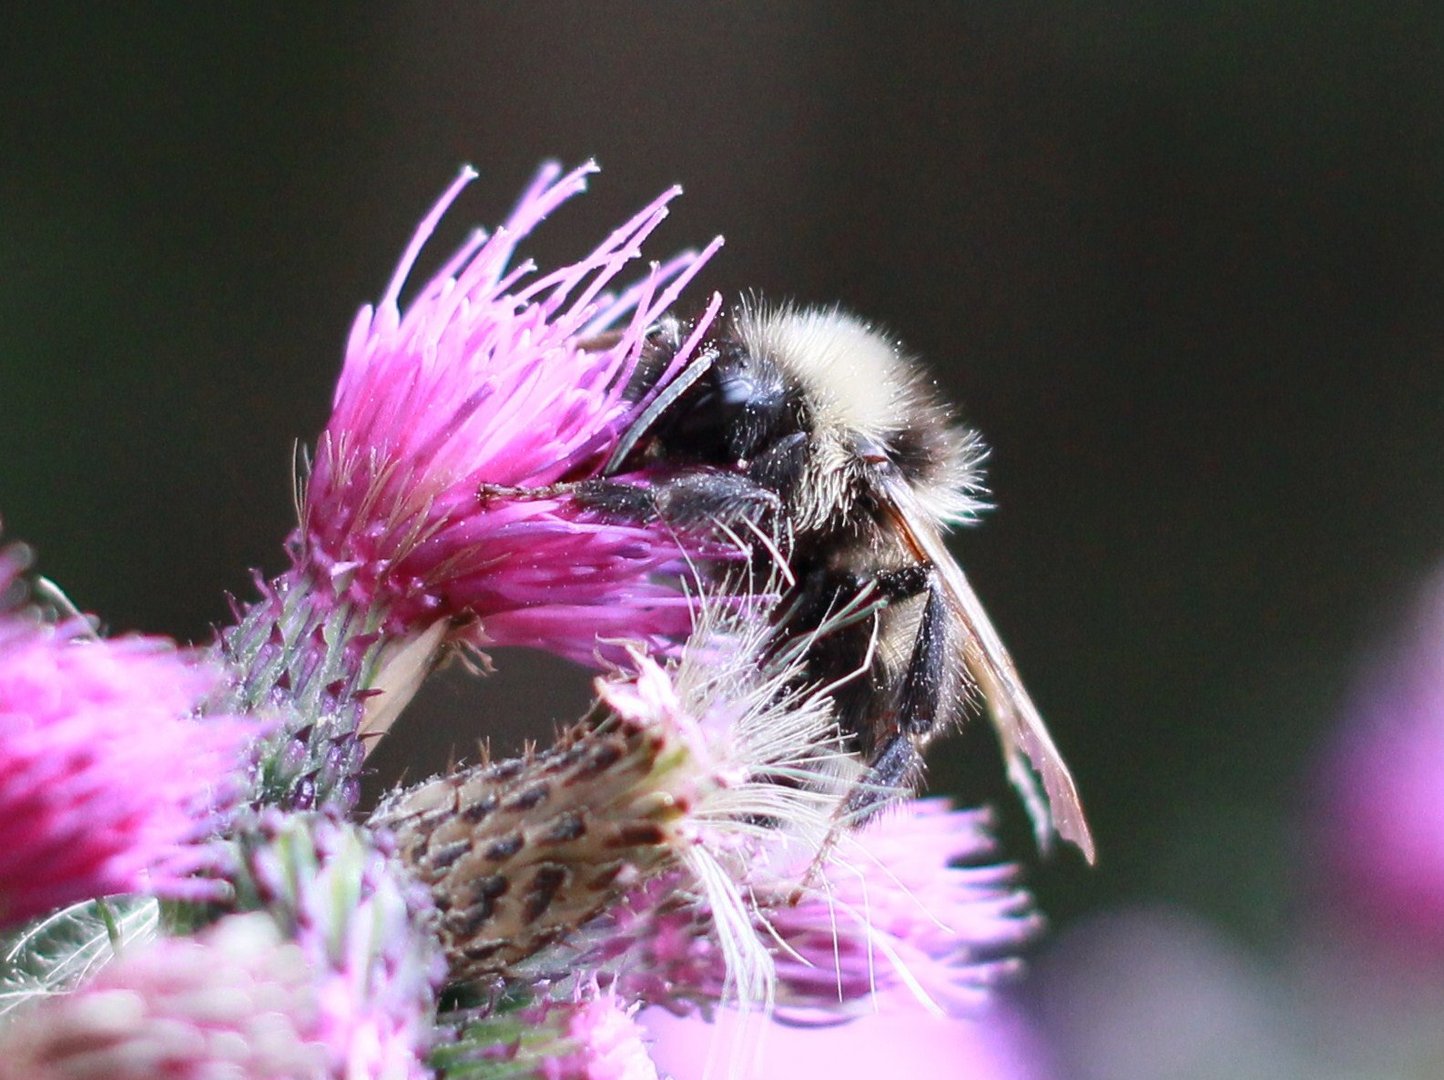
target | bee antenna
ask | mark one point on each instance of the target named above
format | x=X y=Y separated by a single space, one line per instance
x=660 y=404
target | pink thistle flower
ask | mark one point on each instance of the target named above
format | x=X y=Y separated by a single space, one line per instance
x=679 y=765
x=489 y=382
x=440 y=505
x=756 y=896
x=109 y=780
x=236 y=1001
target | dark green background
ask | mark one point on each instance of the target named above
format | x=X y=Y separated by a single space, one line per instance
x=1182 y=264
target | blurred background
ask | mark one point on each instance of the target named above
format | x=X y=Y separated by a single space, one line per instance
x=1181 y=264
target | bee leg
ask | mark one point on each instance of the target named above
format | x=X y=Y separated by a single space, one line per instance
x=896 y=770
x=688 y=500
x=617 y=500
x=926 y=683
x=862 y=698
x=905 y=582
x=782 y=465
x=923 y=700
x=708 y=497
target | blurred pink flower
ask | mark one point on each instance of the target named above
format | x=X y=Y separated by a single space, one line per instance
x=891 y=1043
x=491 y=381
x=1348 y=983
x=1147 y=992
x=235 y=1002
x=109 y=781
x=1382 y=819
x=608 y=1045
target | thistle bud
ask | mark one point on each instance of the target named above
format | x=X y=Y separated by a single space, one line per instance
x=683 y=765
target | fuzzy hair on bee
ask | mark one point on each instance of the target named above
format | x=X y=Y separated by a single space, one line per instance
x=811 y=427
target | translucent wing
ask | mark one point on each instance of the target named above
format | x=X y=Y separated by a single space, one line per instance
x=1028 y=750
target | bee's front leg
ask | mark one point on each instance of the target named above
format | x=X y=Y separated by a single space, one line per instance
x=687 y=500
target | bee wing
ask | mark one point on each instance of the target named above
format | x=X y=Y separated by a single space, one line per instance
x=1026 y=743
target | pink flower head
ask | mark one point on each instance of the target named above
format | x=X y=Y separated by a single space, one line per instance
x=109 y=782
x=768 y=903
x=678 y=766
x=439 y=486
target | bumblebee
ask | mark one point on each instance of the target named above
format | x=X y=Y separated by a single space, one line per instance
x=808 y=425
